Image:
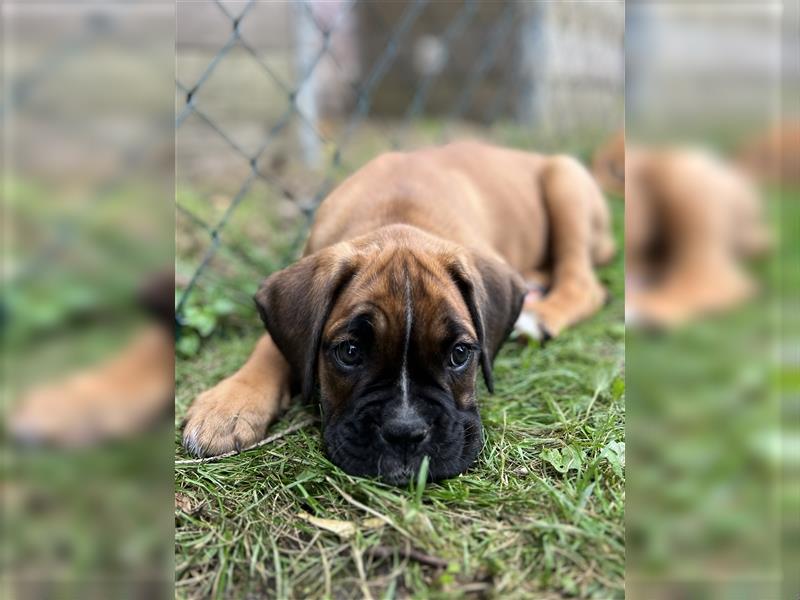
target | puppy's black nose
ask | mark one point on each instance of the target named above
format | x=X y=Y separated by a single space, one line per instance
x=405 y=432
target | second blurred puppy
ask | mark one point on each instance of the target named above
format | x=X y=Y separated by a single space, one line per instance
x=690 y=220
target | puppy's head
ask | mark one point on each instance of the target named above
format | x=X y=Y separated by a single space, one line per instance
x=394 y=328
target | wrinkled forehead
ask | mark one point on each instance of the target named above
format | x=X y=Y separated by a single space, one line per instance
x=398 y=289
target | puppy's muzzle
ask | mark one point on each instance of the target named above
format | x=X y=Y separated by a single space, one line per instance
x=389 y=438
x=405 y=430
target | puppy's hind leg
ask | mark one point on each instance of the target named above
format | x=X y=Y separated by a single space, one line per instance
x=571 y=198
x=537 y=281
x=236 y=412
x=603 y=245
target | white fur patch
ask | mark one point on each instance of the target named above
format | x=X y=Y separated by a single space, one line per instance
x=528 y=325
x=409 y=322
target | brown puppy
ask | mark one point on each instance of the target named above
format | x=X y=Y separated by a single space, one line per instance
x=412 y=278
x=690 y=219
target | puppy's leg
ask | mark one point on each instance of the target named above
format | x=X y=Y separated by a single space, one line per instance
x=603 y=245
x=537 y=282
x=112 y=400
x=236 y=412
x=571 y=199
x=705 y=280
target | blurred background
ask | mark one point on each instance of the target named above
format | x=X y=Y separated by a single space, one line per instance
x=712 y=423
x=87 y=219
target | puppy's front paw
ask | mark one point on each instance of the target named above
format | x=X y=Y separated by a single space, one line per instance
x=232 y=415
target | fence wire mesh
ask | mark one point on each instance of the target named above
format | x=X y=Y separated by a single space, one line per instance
x=87 y=145
x=277 y=102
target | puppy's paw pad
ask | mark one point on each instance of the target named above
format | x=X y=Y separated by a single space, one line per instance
x=229 y=417
x=215 y=434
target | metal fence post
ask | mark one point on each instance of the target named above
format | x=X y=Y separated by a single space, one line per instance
x=307 y=39
x=531 y=105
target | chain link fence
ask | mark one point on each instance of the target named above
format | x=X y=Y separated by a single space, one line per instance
x=277 y=102
x=86 y=165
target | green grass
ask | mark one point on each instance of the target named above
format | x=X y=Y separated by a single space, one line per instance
x=712 y=408
x=540 y=513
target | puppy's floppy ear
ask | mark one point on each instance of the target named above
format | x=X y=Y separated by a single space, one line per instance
x=494 y=293
x=295 y=303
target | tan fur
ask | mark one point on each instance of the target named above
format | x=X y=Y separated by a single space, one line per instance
x=431 y=210
x=109 y=401
x=704 y=216
x=381 y=275
x=608 y=164
x=773 y=156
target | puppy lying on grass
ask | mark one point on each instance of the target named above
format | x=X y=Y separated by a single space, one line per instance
x=414 y=274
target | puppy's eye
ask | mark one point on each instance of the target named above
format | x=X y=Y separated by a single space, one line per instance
x=348 y=354
x=459 y=356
